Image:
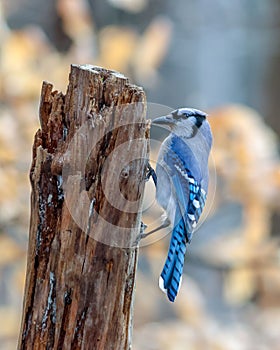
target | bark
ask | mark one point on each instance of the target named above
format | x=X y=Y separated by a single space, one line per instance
x=87 y=178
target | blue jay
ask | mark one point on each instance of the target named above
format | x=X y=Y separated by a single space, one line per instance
x=181 y=180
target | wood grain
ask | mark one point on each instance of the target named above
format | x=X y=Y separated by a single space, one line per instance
x=87 y=178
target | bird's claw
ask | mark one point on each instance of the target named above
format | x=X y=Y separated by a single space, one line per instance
x=142 y=234
x=150 y=172
x=142 y=227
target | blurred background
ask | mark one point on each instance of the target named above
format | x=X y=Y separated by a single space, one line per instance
x=222 y=57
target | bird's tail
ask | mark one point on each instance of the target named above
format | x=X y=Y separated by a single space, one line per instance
x=171 y=276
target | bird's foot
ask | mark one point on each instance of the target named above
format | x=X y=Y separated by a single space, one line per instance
x=150 y=172
x=142 y=227
x=142 y=230
x=142 y=234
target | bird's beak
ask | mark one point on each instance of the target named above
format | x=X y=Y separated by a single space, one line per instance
x=164 y=120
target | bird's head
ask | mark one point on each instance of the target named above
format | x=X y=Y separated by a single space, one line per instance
x=183 y=121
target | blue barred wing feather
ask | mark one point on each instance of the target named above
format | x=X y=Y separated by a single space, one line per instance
x=190 y=201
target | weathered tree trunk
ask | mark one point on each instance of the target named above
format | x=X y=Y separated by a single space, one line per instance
x=87 y=179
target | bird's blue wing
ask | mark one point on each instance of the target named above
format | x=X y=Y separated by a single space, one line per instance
x=190 y=200
x=188 y=193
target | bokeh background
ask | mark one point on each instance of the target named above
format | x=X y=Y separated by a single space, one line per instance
x=219 y=56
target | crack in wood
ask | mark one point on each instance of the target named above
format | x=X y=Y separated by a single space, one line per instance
x=51 y=302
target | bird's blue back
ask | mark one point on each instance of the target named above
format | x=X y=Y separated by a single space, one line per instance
x=185 y=176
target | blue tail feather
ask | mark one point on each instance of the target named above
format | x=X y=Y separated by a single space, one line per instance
x=170 y=277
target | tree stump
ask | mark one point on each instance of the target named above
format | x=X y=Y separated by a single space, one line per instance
x=87 y=177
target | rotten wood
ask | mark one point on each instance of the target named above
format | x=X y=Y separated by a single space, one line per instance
x=87 y=178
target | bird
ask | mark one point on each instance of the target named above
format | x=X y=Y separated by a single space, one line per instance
x=181 y=178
